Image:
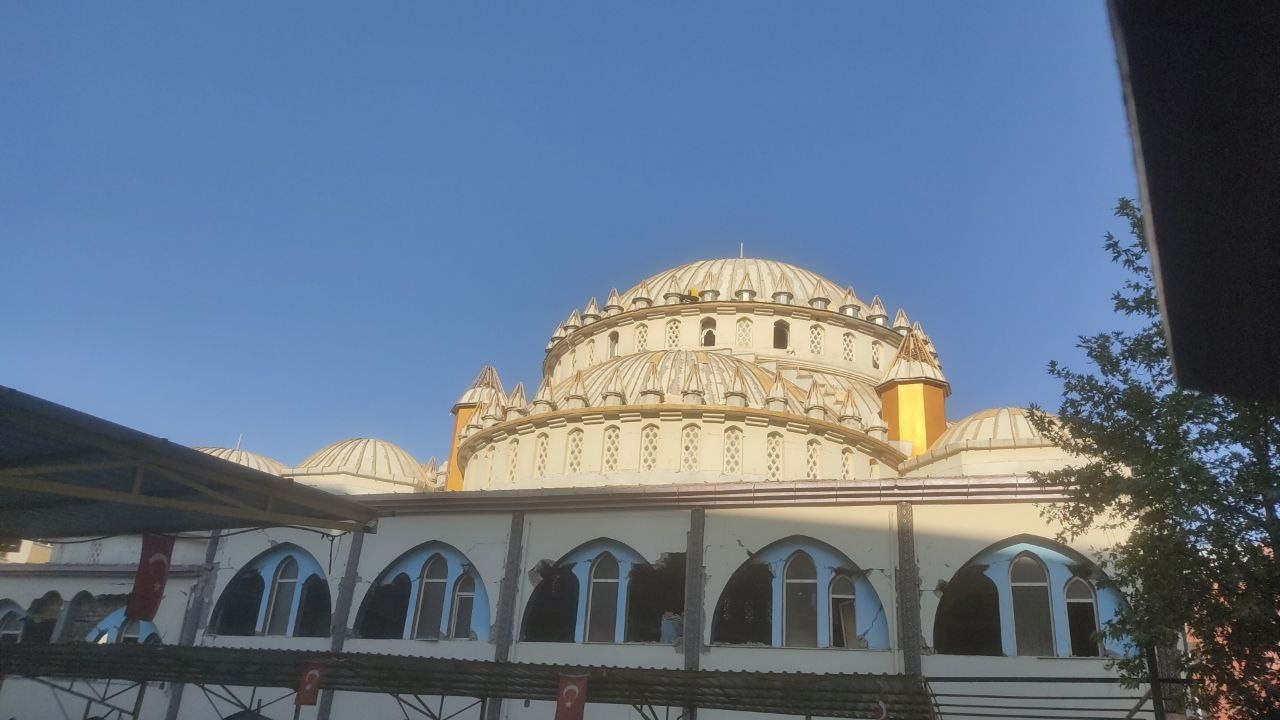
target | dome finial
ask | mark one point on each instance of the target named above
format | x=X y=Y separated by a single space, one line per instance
x=590 y=313
x=818 y=299
x=613 y=303
x=516 y=403
x=814 y=407
x=614 y=393
x=746 y=289
x=573 y=322
x=736 y=395
x=482 y=388
x=849 y=304
x=708 y=292
x=693 y=392
x=643 y=297
x=543 y=401
x=876 y=312
x=577 y=395
x=848 y=414
x=782 y=291
x=900 y=322
x=776 y=398
x=651 y=392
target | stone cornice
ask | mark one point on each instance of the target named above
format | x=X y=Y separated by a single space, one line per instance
x=86 y=570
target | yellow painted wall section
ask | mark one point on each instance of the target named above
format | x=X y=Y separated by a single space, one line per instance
x=914 y=412
x=462 y=415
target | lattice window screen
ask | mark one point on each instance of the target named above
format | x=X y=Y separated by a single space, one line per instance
x=813 y=459
x=488 y=466
x=742 y=336
x=642 y=338
x=875 y=354
x=649 y=447
x=573 y=453
x=689 y=448
x=513 y=458
x=773 y=456
x=591 y=351
x=609 y=457
x=846 y=464
x=732 y=451
x=673 y=333
x=540 y=452
x=816 y=337
x=849 y=348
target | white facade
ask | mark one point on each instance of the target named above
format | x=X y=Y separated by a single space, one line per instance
x=801 y=571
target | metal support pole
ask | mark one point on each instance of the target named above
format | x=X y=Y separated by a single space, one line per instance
x=197 y=613
x=504 y=627
x=137 y=701
x=694 y=595
x=338 y=623
x=1157 y=692
x=910 y=637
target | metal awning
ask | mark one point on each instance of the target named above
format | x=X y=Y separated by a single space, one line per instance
x=64 y=473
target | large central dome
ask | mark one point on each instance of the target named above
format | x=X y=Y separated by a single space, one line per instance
x=729 y=275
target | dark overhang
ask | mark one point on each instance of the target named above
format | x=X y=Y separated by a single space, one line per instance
x=1200 y=82
x=67 y=474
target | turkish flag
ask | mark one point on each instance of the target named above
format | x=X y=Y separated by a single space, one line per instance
x=148 y=584
x=572 y=697
x=309 y=685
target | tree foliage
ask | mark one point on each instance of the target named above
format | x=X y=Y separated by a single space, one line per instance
x=1192 y=478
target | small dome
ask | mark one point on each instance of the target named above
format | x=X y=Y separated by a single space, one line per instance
x=367 y=458
x=1001 y=427
x=727 y=275
x=246 y=458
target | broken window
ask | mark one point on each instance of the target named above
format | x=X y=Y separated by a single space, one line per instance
x=385 y=608
x=968 y=619
x=42 y=618
x=844 y=613
x=1033 y=627
x=552 y=611
x=800 y=602
x=744 y=613
x=86 y=612
x=313 y=609
x=464 y=598
x=655 y=600
x=602 y=600
x=283 y=587
x=11 y=628
x=237 y=610
x=1082 y=618
x=435 y=574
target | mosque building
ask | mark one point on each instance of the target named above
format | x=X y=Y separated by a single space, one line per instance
x=736 y=464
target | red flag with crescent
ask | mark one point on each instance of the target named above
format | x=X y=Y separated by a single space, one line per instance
x=309 y=685
x=153 y=571
x=572 y=698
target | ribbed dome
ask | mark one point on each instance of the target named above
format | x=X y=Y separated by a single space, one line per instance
x=246 y=458
x=671 y=370
x=726 y=276
x=367 y=458
x=1005 y=426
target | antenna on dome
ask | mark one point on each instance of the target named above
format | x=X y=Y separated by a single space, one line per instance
x=239 y=440
x=740 y=250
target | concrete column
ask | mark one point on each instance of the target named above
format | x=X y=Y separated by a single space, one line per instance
x=198 y=606
x=694 y=595
x=338 y=622
x=908 y=591
x=505 y=619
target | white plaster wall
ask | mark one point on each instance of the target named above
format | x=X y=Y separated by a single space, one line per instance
x=177 y=590
x=125 y=550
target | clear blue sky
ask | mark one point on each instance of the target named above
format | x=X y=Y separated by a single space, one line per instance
x=307 y=221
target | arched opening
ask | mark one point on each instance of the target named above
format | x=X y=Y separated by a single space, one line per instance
x=237 y=610
x=707 y=332
x=1082 y=618
x=552 y=611
x=744 y=613
x=313 y=609
x=655 y=600
x=11 y=627
x=742 y=335
x=1032 y=619
x=386 y=606
x=613 y=344
x=602 y=600
x=968 y=618
x=42 y=618
x=844 y=612
x=781 y=335
x=800 y=602
x=283 y=587
x=435 y=574
x=464 y=600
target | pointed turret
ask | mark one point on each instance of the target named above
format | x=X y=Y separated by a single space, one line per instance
x=482 y=388
x=576 y=397
x=493 y=413
x=693 y=392
x=516 y=403
x=613 y=393
x=573 y=322
x=849 y=304
x=674 y=294
x=814 y=406
x=876 y=312
x=643 y=297
x=736 y=395
x=430 y=469
x=543 y=400
x=913 y=394
x=590 y=313
x=776 y=398
x=848 y=414
x=708 y=292
x=651 y=392
x=746 y=291
x=900 y=322
x=818 y=299
x=613 y=303
x=782 y=294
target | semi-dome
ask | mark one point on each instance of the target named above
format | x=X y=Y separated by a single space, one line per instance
x=668 y=372
x=246 y=458
x=728 y=276
x=368 y=458
x=993 y=427
x=995 y=441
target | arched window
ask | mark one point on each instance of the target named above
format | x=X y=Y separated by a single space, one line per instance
x=813 y=459
x=642 y=337
x=283 y=588
x=237 y=611
x=707 y=332
x=1032 y=621
x=1082 y=618
x=540 y=452
x=817 y=338
x=800 y=603
x=435 y=575
x=313 y=609
x=42 y=618
x=732 y=451
x=513 y=459
x=781 y=335
x=591 y=351
x=968 y=618
x=773 y=456
x=602 y=600
x=844 y=612
x=673 y=333
x=464 y=598
x=846 y=464
x=116 y=628
x=875 y=354
x=744 y=613
x=11 y=628
x=573 y=452
x=610 y=452
x=689 y=437
x=742 y=333
x=649 y=447
x=385 y=609
x=552 y=611
x=848 y=347
x=613 y=344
